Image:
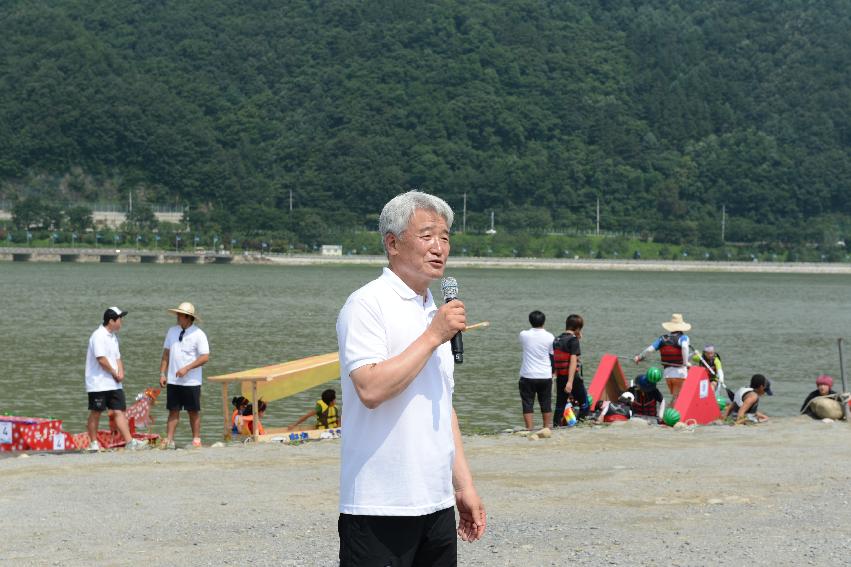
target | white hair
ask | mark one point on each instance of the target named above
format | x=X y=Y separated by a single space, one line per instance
x=397 y=213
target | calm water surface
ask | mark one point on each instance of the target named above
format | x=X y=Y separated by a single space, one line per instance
x=784 y=326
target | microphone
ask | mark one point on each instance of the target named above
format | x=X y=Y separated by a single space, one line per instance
x=449 y=286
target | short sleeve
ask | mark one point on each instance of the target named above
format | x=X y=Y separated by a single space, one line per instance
x=317 y=409
x=168 y=340
x=361 y=334
x=100 y=347
x=573 y=346
x=202 y=344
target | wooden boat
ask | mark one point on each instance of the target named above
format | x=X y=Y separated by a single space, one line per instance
x=19 y=433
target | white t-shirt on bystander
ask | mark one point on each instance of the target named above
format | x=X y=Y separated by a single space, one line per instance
x=185 y=351
x=537 y=347
x=102 y=343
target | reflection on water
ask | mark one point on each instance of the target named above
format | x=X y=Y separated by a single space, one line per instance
x=782 y=325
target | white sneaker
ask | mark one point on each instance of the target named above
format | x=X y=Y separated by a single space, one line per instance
x=136 y=445
x=93 y=447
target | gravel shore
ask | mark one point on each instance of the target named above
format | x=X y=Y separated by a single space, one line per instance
x=626 y=494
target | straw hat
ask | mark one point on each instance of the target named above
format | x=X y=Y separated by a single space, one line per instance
x=187 y=309
x=676 y=324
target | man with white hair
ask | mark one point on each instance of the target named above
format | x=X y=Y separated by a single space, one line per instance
x=403 y=468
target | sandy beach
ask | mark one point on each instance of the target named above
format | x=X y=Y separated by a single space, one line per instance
x=627 y=494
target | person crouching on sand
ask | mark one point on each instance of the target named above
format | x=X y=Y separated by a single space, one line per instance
x=824 y=387
x=746 y=401
x=620 y=410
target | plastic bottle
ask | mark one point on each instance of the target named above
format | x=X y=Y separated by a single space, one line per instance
x=569 y=416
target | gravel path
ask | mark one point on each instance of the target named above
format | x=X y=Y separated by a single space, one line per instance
x=627 y=494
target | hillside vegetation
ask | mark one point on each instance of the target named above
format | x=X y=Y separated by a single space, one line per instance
x=664 y=110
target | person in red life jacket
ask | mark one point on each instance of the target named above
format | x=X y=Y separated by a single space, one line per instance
x=325 y=411
x=745 y=405
x=239 y=404
x=567 y=367
x=247 y=421
x=620 y=410
x=673 y=348
x=648 y=403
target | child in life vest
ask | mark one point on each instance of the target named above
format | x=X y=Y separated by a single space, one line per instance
x=325 y=411
x=247 y=421
x=239 y=404
x=620 y=410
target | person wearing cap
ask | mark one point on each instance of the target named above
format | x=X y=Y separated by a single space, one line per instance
x=104 y=379
x=185 y=351
x=824 y=387
x=616 y=411
x=649 y=404
x=745 y=405
x=673 y=348
x=710 y=360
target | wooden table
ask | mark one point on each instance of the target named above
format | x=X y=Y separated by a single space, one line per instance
x=277 y=381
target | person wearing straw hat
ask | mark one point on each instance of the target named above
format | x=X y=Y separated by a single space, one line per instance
x=673 y=348
x=185 y=351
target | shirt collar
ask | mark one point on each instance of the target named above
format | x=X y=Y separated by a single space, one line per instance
x=402 y=288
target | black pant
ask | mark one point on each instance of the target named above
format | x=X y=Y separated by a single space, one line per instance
x=530 y=388
x=398 y=541
x=578 y=393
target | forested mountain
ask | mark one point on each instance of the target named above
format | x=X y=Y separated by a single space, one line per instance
x=665 y=110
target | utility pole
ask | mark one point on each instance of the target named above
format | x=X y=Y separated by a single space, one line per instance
x=131 y=203
x=464 y=217
x=291 y=200
x=598 y=216
x=723 y=221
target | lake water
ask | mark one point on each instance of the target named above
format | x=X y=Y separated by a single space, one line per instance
x=784 y=326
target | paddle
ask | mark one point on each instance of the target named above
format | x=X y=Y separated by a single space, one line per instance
x=846 y=410
x=480 y=325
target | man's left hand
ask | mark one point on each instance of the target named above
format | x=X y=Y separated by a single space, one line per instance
x=182 y=372
x=471 y=514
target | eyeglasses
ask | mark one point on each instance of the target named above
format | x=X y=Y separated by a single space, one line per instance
x=180 y=338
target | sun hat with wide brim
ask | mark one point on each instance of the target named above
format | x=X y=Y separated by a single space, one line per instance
x=186 y=308
x=676 y=324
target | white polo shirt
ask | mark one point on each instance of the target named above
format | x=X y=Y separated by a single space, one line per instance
x=102 y=343
x=397 y=458
x=537 y=347
x=183 y=352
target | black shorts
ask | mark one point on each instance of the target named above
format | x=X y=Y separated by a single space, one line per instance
x=109 y=399
x=399 y=541
x=543 y=388
x=183 y=397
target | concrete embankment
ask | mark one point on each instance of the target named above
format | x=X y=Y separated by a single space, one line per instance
x=121 y=256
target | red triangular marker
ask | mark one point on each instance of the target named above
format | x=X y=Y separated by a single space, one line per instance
x=697 y=398
x=609 y=382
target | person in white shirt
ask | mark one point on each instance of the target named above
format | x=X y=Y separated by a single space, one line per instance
x=185 y=351
x=104 y=378
x=403 y=470
x=536 y=370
